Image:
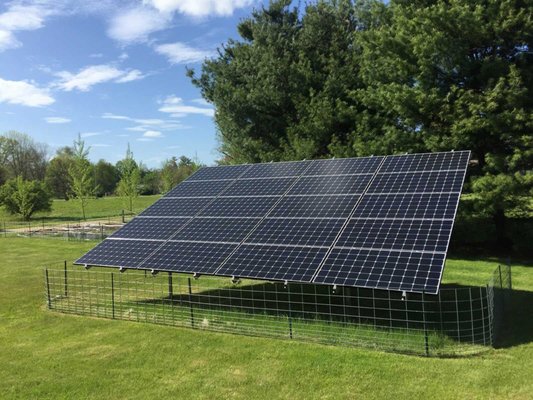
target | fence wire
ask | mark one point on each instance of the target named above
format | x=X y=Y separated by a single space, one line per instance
x=93 y=229
x=457 y=321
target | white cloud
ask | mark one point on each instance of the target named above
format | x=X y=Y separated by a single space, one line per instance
x=21 y=17
x=152 y=134
x=132 y=75
x=180 y=53
x=24 y=93
x=200 y=8
x=174 y=105
x=57 y=120
x=202 y=102
x=93 y=75
x=136 y=24
x=90 y=134
x=146 y=124
x=8 y=40
x=114 y=116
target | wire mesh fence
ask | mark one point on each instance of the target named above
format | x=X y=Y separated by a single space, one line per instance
x=457 y=321
x=91 y=229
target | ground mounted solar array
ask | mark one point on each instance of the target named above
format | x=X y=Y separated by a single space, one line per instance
x=379 y=222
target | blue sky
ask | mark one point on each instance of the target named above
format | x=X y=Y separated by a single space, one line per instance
x=114 y=72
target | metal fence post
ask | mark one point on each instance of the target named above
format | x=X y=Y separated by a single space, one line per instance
x=426 y=339
x=66 y=286
x=29 y=228
x=471 y=314
x=5 y=229
x=112 y=295
x=101 y=231
x=190 y=302
x=482 y=314
x=290 y=310
x=48 y=299
x=123 y=217
x=170 y=287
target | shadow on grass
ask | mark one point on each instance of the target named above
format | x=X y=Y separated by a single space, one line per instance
x=460 y=313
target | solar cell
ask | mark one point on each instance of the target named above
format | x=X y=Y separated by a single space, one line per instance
x=384 y=269
x=202 y=258
x=199 y=188
x=187 y=207
x=315 y=206
x=344 y=166
x=342 y=184
x=292 y=263
x=308 y=232
x=119 y=253
x=150 y=228
x=239 y=207
x=217 y=229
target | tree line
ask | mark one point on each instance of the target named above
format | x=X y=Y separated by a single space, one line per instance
x=29 y=179
x=345 y=78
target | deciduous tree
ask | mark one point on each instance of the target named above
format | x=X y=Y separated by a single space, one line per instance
x=25 y=197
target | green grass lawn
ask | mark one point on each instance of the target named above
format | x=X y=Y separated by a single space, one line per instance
x=45 y=354
x=97 y=208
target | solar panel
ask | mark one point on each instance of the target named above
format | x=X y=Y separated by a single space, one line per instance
x=276 y=169
x=344 y=166
x=171 y=207
x=385 y=269
x=198 y=257
x=397 y=234
x=306 y=232
x=449 y=181
x=452 y=160
x=239 y=207
x=291 y=263
x=217 y=173
x=150 y=228
x=259 y=187
x=408 y=205
x=379 y=222
x=217 y=229
x=199 y=189
x=119 y=253
x=341 y=184
x=315 y=206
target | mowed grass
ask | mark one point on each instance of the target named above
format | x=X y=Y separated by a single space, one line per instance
x=96 y=208
x=48 y=355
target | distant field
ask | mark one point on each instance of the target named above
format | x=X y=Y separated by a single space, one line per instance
x=70 y=210
x=47 y=355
